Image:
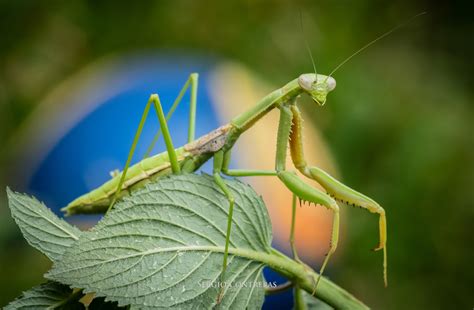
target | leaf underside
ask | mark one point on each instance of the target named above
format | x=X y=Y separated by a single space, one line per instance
x=40 y=226
x=163 y=247
x=49 y=295
x=312 y=303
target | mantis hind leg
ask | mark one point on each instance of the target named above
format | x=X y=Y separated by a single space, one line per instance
x=335 y=188
x=155 y=100
x=192 y=83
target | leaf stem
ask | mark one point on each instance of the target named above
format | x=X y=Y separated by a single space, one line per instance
x=327 y=291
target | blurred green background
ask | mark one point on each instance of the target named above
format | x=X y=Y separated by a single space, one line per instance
x=399 y=123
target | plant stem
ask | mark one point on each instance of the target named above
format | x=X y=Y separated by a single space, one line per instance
x=304 y=277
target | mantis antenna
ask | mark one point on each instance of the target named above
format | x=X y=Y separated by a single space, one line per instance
x=307 y=46
x=373 y=41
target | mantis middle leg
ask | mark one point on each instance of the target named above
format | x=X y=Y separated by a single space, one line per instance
x=335 y=188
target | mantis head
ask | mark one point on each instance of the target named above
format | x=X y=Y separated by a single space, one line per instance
x=317 y=86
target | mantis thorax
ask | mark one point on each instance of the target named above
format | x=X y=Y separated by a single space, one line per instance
x=211 y=142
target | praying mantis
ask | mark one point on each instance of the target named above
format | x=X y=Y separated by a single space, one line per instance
x=218 y=145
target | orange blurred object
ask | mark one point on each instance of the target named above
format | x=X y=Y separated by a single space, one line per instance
x=234 y=90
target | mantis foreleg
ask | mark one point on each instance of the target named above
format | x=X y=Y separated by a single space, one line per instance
x=155 y=100
x=298 y=187
x=311 y=194
x=291 y=180
x=335 y=188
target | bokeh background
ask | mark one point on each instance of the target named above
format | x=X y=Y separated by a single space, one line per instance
x=399 y=125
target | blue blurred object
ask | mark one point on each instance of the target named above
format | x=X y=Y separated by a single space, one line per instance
x=99 y=140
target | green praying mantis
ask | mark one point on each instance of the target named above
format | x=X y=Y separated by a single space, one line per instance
x=218 y=145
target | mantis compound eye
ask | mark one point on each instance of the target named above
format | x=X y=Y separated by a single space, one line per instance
x=331 y=83
x=307 y=81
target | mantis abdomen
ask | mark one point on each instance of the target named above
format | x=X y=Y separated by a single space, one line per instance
x=99 y=199
x=191 y=156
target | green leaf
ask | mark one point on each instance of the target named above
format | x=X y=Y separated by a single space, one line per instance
x=49 y=295
x=312 y=303
x=163 y=247
x=41 y=228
